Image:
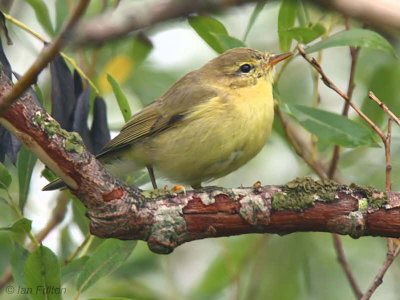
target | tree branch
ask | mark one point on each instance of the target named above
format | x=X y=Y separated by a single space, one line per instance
x=114 y=24
x=167 y=219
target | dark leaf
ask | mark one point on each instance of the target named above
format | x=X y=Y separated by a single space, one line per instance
x=25 y=164
x=4 y=28
x=30 y=91
x=99 y=133
x=80 y=118
x=9 y=145
x=62 y=93
x=3 y=59
x=78 y=84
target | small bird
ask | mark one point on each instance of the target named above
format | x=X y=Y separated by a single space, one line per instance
x=208 y=124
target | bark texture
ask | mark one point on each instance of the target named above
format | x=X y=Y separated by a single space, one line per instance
x=168 y=219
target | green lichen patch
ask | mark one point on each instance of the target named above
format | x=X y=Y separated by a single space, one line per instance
x=374 y=198
x=73 y=143
x=302 y=193
x=72 y=140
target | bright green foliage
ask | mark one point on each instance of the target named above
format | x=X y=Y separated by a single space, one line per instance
x=214 y=33
x=356 y=37
x=121 y=98
x=286 y=19
x=333 y=128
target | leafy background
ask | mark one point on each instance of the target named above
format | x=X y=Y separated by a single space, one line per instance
x=132 y=72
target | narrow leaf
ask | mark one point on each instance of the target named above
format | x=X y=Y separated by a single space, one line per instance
x=5 y=177
x=354 y=37
x=42 y=274
x=121 y=98
x=257 y=9
x=286 y=19
x=334 y=128
x=105 y=259
x=9 y=145
x=302 y=14
x=72 y=270
x=25 y=163
x=42 y=15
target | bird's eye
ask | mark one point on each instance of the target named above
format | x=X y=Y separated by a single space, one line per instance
x=246 y=68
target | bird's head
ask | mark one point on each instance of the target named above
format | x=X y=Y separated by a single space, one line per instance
x=241 y=67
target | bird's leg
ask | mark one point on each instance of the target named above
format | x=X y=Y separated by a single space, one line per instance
x=152 y=178
x=196 y=186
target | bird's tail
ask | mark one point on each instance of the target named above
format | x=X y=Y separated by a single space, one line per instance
x=54 y=185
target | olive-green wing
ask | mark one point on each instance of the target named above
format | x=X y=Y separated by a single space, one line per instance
x=162 y=114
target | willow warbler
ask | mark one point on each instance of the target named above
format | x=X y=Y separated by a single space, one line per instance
x=208 y=124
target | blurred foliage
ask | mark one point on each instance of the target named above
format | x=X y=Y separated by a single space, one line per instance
x=132 y=72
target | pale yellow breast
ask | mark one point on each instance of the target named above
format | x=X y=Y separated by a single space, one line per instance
x=218 y=137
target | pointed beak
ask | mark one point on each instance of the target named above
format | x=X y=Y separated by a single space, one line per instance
x=274 y=59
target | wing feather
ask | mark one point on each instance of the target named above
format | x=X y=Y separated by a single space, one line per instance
x=161 y=114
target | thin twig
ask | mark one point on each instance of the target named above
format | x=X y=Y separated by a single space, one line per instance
x=350 y=88
x=388 y=157
x=47 y=55
x=391 y=256
x=326 y=80
x=337 y=241
x=382 y=105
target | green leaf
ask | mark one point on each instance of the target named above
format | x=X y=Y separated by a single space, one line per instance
x=305 y=35
x=21 y=226
x=105 y=259
x=5 y=177
x=42 y=274
x=61 y=13
x=302 y=14
x=286 y=19
x=121 y=98
x=112 y=298
x=71 y=271
x=42 y=15
x=18 y=258
x=214 y=33
x=25 y=164
x=141 y=48
x=257 y=9
x=334 y=128
x=354 y=37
